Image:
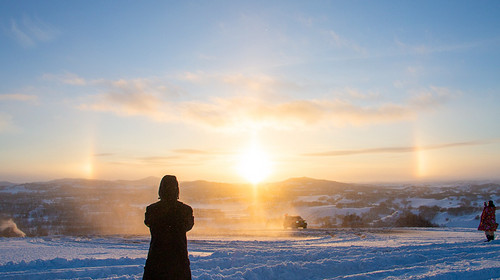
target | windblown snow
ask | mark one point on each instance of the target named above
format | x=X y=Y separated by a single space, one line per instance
x=408 y=253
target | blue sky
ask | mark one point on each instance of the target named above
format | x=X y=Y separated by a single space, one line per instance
x=341 y=90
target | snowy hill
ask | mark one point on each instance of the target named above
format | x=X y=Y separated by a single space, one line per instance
x=79 y=206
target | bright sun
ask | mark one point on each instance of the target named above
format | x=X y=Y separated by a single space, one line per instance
x=254 y=165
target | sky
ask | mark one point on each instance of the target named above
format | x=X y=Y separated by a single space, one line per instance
x=250 y=91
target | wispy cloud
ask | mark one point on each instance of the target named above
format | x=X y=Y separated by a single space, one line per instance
x=192 y=152
x=201 y=152
x=247 y=111
x=158 y=160
x=139 y=97
x=423 y=49
x=431 y=97
x=65 y=78
x=104 y=154
x=28 y=31
x=342 y=42
x=129 y=104
x=155 y=161
x=252 y=103
x=176 y=157
x=397 y=150
x=18 y=97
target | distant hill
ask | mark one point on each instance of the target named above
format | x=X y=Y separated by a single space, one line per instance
x=81 y=206
x=6 y=184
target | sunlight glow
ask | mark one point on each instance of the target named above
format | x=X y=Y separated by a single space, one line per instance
x=421 y=166
x=254 y=165
x=420 y=169
x=88 y=169
x=87 y=166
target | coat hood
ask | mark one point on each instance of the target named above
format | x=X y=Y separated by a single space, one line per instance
x=169 y=188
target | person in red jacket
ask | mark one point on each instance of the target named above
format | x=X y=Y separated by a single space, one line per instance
x=168 y=221
x=488 y=222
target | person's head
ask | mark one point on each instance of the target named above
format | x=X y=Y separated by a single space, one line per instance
x=169 y=188
x=490 y=203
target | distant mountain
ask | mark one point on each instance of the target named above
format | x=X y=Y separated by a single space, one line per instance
x=81 y=206
x=96 y=182
x=6 y=184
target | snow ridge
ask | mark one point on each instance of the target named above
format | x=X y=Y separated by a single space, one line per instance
x=59 y=268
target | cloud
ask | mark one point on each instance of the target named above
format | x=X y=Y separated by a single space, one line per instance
x=238 y=102
x=104 y=154
x=250 y=112
x=157 y=160
x=18 y=97
x=356 y=94
x=191 y=152
x=65 y=78
x=432 y=97
x=396 y=150
x=341 y=42
x=177 y=158
x=129 y=104
x=139 y=97
x=423 y=49
x=239 y=84
x=28 y=31
x=21 y=37
x=200 y=152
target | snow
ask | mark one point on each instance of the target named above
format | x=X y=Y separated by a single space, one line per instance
x=311 y=198
x=410 y=253
x=330 y=211
x=429 y=202
x=15 y=189
x=470 y=221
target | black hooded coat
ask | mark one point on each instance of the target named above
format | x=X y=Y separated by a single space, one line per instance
x=168 y=221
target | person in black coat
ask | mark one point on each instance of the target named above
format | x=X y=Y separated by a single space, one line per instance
x=168 y=221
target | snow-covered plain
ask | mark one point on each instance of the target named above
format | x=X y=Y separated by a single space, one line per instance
x=408 y=253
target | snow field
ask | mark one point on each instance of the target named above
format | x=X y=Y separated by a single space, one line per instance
x=313 y=254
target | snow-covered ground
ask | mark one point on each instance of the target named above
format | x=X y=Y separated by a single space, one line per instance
x=436 y=253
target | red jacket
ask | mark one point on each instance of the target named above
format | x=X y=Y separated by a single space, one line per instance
x=488 y=221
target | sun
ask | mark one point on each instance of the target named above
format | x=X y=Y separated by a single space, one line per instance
x=254 y=165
